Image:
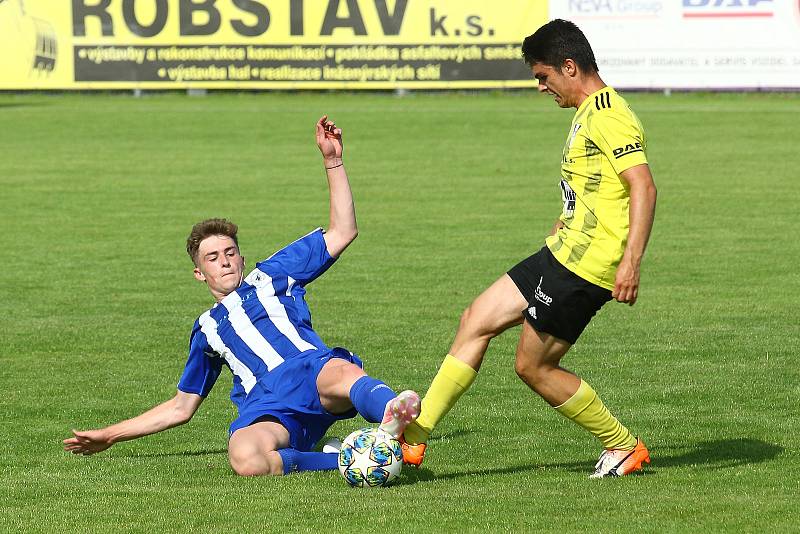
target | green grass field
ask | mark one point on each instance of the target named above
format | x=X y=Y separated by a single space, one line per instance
x=99 y=193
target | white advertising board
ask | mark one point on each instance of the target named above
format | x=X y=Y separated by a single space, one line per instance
x=691 y=44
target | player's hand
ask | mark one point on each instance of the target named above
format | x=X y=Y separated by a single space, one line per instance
x=626 y=284
x=329 y=141
x=87 y=442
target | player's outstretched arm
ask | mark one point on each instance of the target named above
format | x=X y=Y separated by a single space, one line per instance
x=174 y=412
x=342 y=229
x=641 y=214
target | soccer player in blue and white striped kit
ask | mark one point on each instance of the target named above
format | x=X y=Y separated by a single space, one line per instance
x=288 y=386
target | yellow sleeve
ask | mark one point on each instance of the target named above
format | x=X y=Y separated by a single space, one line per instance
x=620 y=138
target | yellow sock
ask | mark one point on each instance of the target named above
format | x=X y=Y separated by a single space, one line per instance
x=452 y=380
x=589 y=412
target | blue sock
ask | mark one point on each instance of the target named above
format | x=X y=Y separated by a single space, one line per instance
x=369 y=396
x=295 y=461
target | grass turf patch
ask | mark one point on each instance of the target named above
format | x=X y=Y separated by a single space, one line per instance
x=451 y=190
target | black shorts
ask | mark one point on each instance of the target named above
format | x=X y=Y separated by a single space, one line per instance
x=560 y=302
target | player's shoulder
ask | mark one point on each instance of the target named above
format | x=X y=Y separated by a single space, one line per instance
x=314 y=237
x=603 y=100
x=203 y=317
x=607 y=111
x=607 y=103
x=197 y=327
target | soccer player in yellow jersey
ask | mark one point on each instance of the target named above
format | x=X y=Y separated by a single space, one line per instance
x=592 y=255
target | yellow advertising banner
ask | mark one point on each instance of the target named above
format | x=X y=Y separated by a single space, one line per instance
x=258 y=44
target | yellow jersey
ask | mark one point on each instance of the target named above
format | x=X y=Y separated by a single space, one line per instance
x=605 y=139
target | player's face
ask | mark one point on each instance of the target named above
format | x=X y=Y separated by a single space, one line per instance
x=220 y=265
x=553 y=82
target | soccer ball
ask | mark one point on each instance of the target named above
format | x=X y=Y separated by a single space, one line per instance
x=369 y=458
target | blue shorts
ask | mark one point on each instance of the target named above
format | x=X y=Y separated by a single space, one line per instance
x=289 y=394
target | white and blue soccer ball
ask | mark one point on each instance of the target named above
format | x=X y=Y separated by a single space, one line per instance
x=370 y=458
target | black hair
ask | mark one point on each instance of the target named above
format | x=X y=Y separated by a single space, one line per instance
x=557 y=41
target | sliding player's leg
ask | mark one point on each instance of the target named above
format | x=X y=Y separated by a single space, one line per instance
x=343 y=385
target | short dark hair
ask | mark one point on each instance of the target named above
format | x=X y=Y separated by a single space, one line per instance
x=557 y=41
x=207 y=228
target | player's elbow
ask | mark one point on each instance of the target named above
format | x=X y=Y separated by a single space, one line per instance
x=182 y=415
x=183 y=407
x=340 y=239
x=652 y=193
x=645 y=191
x=343 y=233
x=346 y=239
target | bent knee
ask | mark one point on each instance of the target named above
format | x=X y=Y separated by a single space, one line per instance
x=246 y=469
x=334 y=382
x=530 y=371
x=477 y=324
x=250 y=462
x=523 y=369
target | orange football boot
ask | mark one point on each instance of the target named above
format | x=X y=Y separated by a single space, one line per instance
x=618 y=462
x=412 y=454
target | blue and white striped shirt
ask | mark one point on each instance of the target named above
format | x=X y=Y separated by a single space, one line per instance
x=263 y=323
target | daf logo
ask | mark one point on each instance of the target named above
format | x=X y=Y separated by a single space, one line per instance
x=627 y=149
x=728 y=8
